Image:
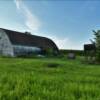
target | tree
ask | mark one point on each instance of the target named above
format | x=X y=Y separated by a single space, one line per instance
x=97 y=42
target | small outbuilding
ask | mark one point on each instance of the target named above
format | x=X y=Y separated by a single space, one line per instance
x=14 y=43
x=90 y=52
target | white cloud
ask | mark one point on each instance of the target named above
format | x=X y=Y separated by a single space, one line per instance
x=33 y=24
x=66 y=43
x=31 y=21
x=63 y=43
x=17 y=2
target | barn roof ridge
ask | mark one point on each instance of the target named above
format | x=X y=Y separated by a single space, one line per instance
x=19 y=32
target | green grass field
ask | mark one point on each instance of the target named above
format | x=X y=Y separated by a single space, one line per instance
x=32 y=79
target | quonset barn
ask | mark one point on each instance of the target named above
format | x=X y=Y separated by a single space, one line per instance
x=14 y=43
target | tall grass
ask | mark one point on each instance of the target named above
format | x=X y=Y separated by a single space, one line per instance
x=32 y=79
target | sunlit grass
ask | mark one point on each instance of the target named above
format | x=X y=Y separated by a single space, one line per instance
x=32 y=79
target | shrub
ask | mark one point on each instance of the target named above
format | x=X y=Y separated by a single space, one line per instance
x=97 y=41
x=77 y=52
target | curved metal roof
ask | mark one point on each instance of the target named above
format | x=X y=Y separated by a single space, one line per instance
x=19 y=38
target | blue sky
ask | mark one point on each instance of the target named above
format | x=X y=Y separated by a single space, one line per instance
x=68 y=22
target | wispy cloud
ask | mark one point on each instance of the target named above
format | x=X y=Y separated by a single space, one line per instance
x=64 y=42
x=33 y=23
x=31 y=20
x=17 y=2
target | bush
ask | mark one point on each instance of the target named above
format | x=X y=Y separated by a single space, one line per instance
x=77 y=52
x=97 y=42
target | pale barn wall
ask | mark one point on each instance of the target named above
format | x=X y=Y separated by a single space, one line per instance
x=6 y=48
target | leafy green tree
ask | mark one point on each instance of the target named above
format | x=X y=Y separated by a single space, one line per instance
x=97 y=42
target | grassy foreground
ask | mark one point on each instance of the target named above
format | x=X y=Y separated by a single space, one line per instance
x=32 y=79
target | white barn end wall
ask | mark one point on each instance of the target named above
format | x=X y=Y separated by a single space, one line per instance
x=8 y=49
